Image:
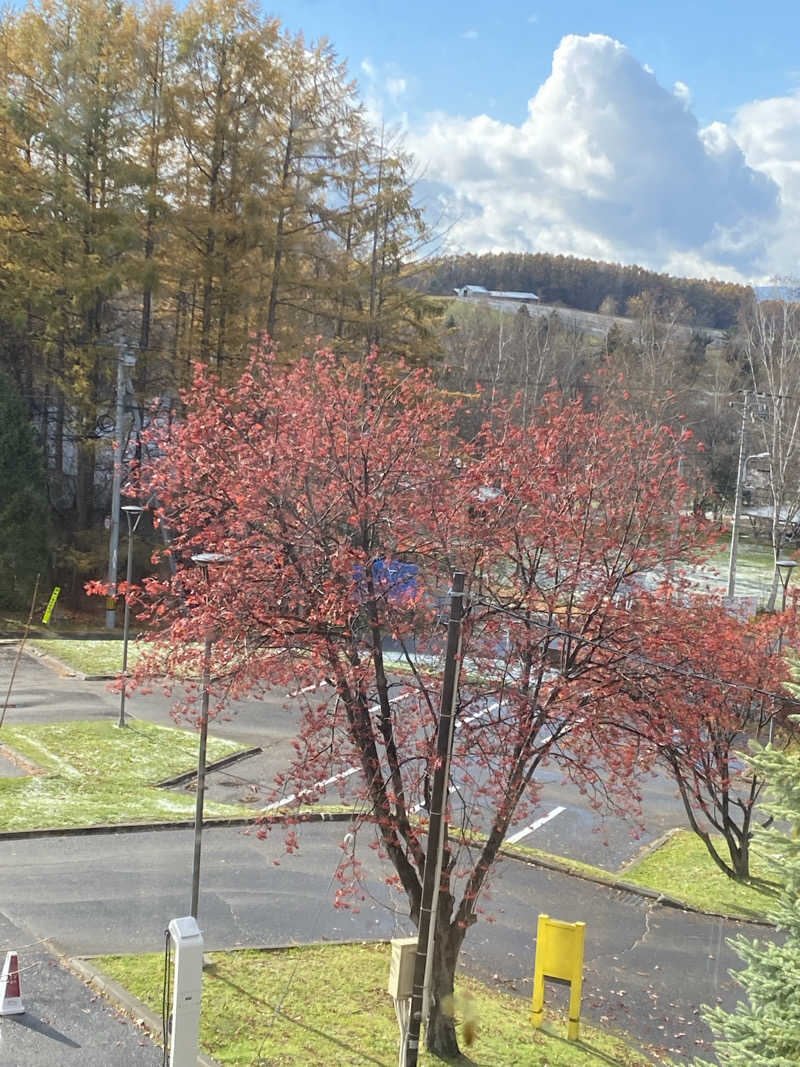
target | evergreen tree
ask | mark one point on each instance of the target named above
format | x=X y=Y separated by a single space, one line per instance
x=764 y=1030
x=23 y=501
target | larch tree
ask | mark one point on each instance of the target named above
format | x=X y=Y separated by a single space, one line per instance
x=155 y=61
x=314 y=116
x=24 y=519
x=317 y=482
x=227 y=70
x=69 y=87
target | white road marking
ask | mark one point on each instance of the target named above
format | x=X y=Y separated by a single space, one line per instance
x=534 y=826
x=311 y=790
x=317 y=786
x=308 y=688
x=478 y=715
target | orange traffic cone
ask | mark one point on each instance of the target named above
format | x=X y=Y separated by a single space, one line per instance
x=10 y=1001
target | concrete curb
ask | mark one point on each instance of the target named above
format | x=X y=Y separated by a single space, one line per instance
x=100 y=829
x=564 y=867
x=218 y=765
x=125 y=1001
x=61 y=668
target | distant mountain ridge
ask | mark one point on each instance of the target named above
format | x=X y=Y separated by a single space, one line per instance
x=589 y=285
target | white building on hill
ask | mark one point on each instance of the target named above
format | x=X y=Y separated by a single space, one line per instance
x=478 y=292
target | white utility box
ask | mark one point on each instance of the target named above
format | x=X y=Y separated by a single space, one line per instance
x=186 y=991
x=401 y=967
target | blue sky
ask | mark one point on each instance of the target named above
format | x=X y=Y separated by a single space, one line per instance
x=667 y=135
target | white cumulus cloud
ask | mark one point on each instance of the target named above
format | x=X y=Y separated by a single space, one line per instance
x=769 y=134
x=610 y=164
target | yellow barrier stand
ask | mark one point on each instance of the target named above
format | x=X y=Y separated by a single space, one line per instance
x=48 y=611
x=559 y=957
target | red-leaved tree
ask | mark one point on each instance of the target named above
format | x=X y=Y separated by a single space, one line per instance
x=316 y=481
x=705 y=687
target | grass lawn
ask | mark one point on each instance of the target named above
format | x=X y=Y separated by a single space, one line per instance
x=98 y=773
x=314 y=1006
x=682 y=868
x=754 y=562
x=89 y=657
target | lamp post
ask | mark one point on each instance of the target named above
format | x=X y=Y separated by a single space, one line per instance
x=205 y=560
x=133 y=513
x=741 y=476
x=784 y=567
x=125 y=359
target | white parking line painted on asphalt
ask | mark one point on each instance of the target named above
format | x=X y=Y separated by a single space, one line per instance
x=317 y=786
x=478 y=715
x=534 y=826
x=308 y=688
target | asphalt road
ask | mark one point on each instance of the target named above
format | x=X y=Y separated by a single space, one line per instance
x=64 y=1024
x=648 y=967
x=576 y=830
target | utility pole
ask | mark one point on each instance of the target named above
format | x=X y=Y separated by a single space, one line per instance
x=426 y=925
x=125 y=358
x=737 y=506
x=201 y=778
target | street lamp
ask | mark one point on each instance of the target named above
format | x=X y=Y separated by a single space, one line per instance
x=784 y=568
x=741 y=476
x=126 y=359
x=205 y=560
x=133 y=513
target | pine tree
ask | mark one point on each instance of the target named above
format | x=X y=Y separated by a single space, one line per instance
x=764 y=1029
x=23 y=501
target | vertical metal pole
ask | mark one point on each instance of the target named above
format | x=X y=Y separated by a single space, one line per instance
x=19 y=650
x=127 y=619
x=201 y=777
x=426 y=924
x=116 y=485
x=737 y=507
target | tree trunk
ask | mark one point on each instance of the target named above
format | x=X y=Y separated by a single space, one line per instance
x=84 y=488
x=440 y=1033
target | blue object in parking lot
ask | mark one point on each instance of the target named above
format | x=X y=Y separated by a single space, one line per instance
x=395 y=580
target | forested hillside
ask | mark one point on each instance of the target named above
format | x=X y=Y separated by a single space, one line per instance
x=590 y=285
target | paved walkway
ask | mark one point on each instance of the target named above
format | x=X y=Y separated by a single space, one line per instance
x=64 y=1023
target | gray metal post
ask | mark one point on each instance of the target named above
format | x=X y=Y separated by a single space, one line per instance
x=201 y=777
x=130 y=510
x=436 y=824
x=124 y=359
x=737 y=507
